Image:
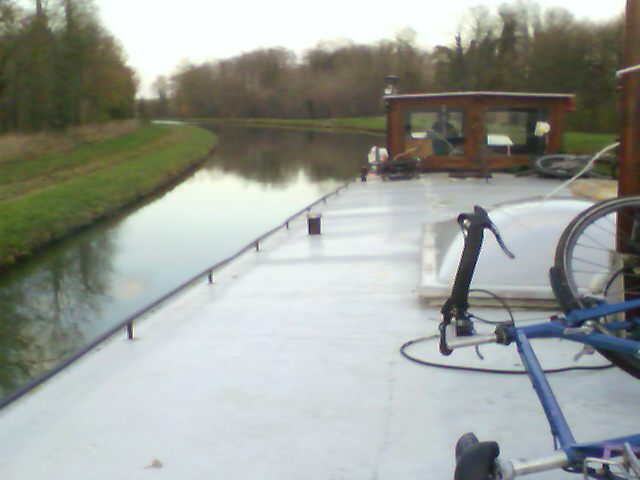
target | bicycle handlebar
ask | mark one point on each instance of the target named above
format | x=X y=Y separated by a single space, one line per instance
x=480 y=215
x=456 y=306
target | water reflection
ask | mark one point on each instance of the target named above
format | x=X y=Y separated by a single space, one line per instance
x=59 y=300
x=277 y=156
x=48 y=304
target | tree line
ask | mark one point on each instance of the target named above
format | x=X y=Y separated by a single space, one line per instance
x=519 y=47
x=59 y=67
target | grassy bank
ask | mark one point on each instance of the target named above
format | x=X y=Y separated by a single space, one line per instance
x=47 y=196
x=360 y=124
x=580 y=142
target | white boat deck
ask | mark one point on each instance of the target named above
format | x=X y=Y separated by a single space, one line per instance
x=288 y=366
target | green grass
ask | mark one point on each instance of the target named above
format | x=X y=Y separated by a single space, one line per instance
x=53 y=195
x=580 y=142
x=365 y=124
x=19 y=170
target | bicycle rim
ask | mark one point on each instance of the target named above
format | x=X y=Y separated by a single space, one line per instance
x=559 y=166
x=595 y=264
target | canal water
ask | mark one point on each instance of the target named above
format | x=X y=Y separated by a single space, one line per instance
x=61 y=299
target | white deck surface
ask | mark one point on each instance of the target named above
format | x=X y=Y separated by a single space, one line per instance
x=288 y=366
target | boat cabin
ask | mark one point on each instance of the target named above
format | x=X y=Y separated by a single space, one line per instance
x=474 y=131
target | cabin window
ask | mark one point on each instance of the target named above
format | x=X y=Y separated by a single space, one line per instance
x=510 y=131
x=435 y=132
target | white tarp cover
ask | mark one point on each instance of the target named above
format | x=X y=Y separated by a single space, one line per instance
x=530 y=229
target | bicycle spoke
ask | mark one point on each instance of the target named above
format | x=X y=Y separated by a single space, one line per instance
x=596 y=256
x=590 y=262
x=598 y=248
x=596 y=241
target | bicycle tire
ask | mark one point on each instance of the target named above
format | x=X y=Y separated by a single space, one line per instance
x=593 y=264
x=560 y=166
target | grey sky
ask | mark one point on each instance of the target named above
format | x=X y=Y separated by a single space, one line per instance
x=158 y=34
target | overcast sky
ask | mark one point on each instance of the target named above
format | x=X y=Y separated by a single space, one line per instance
x=158 y=34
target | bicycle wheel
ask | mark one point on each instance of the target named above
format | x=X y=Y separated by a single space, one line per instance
x=560 y=166
x=593 y=263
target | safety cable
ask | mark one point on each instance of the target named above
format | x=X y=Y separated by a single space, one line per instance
x=511 y=322
x=498 y=371
x=502 y=303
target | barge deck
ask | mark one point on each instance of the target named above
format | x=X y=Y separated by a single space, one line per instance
x=288 y=366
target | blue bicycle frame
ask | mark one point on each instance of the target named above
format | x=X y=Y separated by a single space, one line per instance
x=569 y=328
x=580 y=326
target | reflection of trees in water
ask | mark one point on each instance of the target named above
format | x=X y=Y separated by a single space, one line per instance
x=50 y=307
x=45 y=314
x=276 y=156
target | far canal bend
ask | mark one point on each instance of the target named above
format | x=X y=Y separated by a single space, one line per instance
x=59 y=300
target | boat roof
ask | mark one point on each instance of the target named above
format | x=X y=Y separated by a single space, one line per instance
x=288 y=364
x=487 y=94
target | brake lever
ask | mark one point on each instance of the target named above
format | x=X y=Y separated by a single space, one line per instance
x=446 y=321
x=461 y=320
x=454 y=311
x=493 y=229
x=485 y=222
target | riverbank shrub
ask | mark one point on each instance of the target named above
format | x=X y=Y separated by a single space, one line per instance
x=47 y=197
x=21 y=146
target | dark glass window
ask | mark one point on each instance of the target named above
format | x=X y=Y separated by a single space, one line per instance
x=510 y=131
x=436 y=132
